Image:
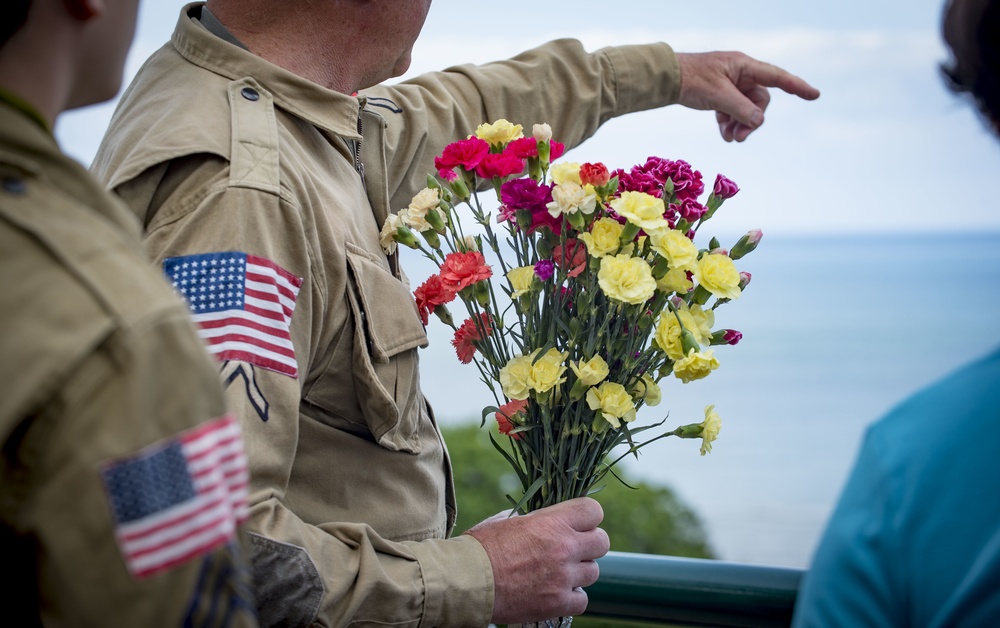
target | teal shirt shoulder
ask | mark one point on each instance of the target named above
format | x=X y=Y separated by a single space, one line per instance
x=915 y=537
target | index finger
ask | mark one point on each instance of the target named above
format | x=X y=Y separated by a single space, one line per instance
x=772 y=76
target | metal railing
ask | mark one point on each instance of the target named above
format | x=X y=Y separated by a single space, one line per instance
x=692 y=592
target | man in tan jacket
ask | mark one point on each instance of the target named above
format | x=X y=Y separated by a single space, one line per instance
x=122 y=476
x=262 y=157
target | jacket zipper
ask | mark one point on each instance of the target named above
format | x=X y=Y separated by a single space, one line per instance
x=360 y=167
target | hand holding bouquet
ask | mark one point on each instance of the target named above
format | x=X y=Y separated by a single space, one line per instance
x=596 y=294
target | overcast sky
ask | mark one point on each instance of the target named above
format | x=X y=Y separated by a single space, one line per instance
x=885 y=148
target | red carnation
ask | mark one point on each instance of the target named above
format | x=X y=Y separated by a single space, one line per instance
x=461 y=270
x=505 y=414
x=571 y=256
x=468 y=334
x=594 y=174
x=431 y=294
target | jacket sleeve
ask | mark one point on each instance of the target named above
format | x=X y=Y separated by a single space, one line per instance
x=305 y=573
x=106 y=479
x=558 y=83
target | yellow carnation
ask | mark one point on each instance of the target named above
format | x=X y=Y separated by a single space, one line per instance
x=565 y=172
x=667 y=334
x=627 y=279
x=514 y=377
x=613 y=402
x=641 y=209
x=718 y=274
x=647 y=390
x=546 y=372
x=592 y=371
x=701 y=323
x=499 y=133
x=676 y=280
x=675 y=247
x=696 y=365
x=520 y=280
x=710 y=429
x=603 y=238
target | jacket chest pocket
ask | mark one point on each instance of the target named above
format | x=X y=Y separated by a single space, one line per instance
x=385 y=331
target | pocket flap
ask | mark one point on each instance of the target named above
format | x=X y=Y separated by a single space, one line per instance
x=397 y=326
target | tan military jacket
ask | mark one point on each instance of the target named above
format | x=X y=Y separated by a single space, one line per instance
x=224 y=155
x=121 y=478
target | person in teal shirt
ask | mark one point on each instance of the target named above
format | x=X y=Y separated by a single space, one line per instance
x=915 y=537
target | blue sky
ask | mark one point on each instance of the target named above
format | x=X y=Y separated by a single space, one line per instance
x=885 y=149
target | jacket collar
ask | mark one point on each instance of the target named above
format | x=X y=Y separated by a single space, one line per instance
x=321 y=107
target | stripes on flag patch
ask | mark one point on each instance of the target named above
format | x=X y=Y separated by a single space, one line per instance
x=242 y=304
x=180 y=498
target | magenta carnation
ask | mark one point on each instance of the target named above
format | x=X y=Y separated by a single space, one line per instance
x=544 y=269
x=689 y=209
x=725 y=188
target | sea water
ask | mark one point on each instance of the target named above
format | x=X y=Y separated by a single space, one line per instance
x=836 y=331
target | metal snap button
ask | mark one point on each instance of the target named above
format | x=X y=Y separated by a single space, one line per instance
x=249 y=93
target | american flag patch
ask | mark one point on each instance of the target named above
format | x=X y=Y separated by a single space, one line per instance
x=180 y=498
x=242 y=304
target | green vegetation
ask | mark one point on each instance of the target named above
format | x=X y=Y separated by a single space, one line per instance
x=646 y=519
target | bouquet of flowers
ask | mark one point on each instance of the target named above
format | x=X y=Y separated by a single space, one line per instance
x=596 y=293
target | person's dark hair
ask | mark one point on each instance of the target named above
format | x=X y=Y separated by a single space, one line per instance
x=972 y=33
x=13 y=14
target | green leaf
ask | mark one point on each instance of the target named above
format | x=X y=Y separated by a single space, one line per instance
x=487 y=411
x=528 y=494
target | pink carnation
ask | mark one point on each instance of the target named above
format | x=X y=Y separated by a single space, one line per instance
x=465 y=153
x=499 y=165
x=523 y=147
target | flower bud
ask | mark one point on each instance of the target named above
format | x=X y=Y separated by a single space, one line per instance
x=524 y=219
x=726 y=337
x=689 y=342
x=746 y=244
x=542 y=132
x=744 y=280
x=460 y=188
x=470 y=243
x=405 y=237
x=441 y=311
x=482 y=292
x=435 y=218
x=692 y=430
x=432 y=239
x=544 y=248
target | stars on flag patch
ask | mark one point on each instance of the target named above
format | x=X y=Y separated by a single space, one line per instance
x=180 y=498
x=242 y=305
